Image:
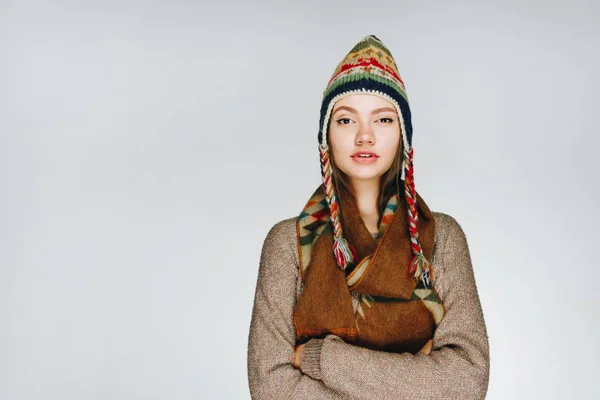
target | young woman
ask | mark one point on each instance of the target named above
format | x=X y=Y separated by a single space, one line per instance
x=367 y=294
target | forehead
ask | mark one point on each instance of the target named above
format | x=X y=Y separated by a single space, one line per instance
x=363 y=101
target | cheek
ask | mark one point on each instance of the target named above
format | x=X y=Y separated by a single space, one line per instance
x=389 y=145
x=340 y=144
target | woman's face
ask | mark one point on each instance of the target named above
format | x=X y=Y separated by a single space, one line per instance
x=364 y=124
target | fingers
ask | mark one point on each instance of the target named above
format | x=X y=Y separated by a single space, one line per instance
x=298 y=355
x=426 y=349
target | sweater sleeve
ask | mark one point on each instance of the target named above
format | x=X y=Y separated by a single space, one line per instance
x=456 y=368
x=272 y=337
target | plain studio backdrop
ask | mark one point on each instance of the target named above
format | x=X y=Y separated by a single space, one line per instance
x=146 y=149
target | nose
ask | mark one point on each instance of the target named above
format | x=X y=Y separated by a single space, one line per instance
x=365 y=134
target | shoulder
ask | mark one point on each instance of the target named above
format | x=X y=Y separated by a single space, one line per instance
x=281 y=239
x=447 y=227
x=452 y=250
x=444 y=222
x=284 y=230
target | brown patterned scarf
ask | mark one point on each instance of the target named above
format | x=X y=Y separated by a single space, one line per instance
x=395 y=311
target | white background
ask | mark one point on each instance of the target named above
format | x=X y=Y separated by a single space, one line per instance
x=146 y=148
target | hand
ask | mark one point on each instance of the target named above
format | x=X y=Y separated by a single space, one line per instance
x=298 y=355
x=426 y=349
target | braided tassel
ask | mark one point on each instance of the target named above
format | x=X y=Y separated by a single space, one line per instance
x=344 y=253
x=419 y=266
x=421 y=269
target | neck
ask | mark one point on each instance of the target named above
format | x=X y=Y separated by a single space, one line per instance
x=366 y=198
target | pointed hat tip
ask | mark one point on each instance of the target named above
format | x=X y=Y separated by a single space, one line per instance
x=372 y=37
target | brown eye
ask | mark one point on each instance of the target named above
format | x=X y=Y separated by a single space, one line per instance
x=339 y=121
x=387 y=120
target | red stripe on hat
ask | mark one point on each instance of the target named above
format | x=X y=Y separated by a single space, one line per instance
x=363 y=62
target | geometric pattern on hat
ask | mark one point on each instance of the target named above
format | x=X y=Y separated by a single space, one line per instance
x=370 y=68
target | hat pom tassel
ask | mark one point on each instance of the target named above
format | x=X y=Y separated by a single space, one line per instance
x=344 y=252
x=421 y=268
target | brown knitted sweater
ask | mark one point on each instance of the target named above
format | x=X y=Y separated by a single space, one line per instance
x=456 y=368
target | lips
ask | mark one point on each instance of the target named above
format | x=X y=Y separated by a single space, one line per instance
x=364 y=154
x=364 y=157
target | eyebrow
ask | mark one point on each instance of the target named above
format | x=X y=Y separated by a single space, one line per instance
x=353 y=110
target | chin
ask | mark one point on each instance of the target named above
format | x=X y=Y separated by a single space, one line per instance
x=365 y=175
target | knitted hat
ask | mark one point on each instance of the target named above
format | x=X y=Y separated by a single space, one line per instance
x=369 y=68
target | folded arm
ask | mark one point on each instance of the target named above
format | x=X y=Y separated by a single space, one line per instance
x=456 y=368
x=272 y=337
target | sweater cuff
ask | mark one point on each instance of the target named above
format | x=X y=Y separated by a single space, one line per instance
x=310 y=361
